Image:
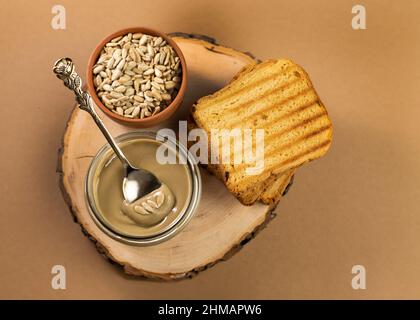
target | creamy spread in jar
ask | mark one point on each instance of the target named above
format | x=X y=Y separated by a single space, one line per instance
x=152 y=214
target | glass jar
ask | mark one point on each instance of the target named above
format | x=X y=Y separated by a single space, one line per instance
x=162 y=231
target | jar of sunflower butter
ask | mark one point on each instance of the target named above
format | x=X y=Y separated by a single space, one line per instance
x=131 y=223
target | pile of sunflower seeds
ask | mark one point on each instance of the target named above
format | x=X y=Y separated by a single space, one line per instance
x=137 y=75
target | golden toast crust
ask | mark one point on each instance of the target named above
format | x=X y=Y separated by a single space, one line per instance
x=277 y=96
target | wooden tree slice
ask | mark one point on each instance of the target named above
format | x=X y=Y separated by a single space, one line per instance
x=221 y=224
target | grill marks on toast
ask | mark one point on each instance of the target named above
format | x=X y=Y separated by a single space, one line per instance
x=273 y=187
x=298 y=118
x=285 y=131
x=225 y=97
x=276 y=96
x=314 y=135
x=272 y=99
x=272 y=150
x=236 y=103
x=309 y=135
x=312 y=150
x=289 y=114
x=243 y=116
x=289 y=99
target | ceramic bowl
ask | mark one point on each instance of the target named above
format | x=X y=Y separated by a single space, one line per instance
x=152 y=120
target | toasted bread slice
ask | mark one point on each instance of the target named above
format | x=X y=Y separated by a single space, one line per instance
x=277 y=96
x=274 y=187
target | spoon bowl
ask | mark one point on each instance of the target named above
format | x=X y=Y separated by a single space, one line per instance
x=138 y=183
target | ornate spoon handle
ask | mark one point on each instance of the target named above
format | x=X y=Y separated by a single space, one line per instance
x=64 y=70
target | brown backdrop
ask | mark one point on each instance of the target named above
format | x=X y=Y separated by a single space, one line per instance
x=358 y=205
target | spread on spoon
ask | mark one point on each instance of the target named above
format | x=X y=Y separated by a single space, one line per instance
x=150 y=209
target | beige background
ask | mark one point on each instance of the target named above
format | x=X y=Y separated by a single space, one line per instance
x=358 y=205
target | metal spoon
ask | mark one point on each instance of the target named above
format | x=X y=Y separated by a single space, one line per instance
x=137 y=182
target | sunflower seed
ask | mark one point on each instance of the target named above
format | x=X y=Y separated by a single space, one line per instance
x=123 y=99
x=107 y=87
x=147 y=57
x=137 y=84
x=102 y=58
x=117 y=53
x=148 y=72
x=105 y=100
x=115 y=94
x=143 y=40
x=175 y=66
x=120 y=111
x=131 y=65
x=138 y=98
x=169 y=85
x=128 y=110
x=121 y=64
x=116 y=74
x=132 y=54
x=116 y=39
x=158 y=73
x=156 y=94
x=157 y=41
x=120 y=89
x=129 y=92
x=167 y=58
x=138 y=71
x=155 y=85
x=110 y=63
x=128 y=83
x=166 y=96
x=124 y=53
x=162 y=58
x=124 y=78
x=157 y=110
x=158 y=80
x=150 y=50
x=143 y=67
x=98 y=80
x=98 y=69
x=137 y=36
x=148 y=98
x=136 y=112
x=156 y=58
